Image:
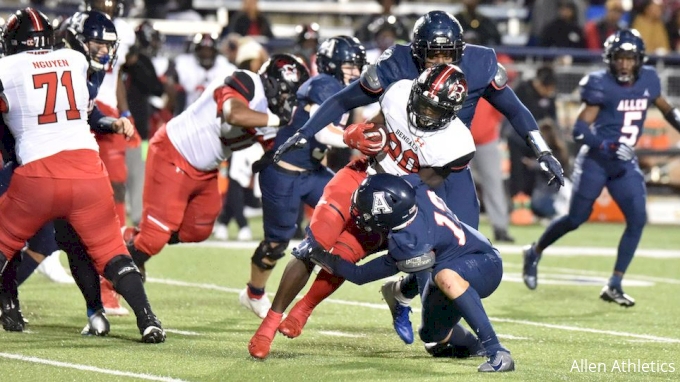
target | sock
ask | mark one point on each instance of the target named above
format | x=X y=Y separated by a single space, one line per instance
x=270 y=324
x=470 y=306
x=26 y=268
x=463 y=337
x=120 y=211
x=409 y=286
x=9 y=281
x=131 y=287
x=255 y=293
x=324 y=285
x=86 y=277
x=615 y=282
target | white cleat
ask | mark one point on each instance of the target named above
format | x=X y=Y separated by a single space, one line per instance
x=220 y=232
x=258 y=306
x=97 y=325
x=245 y=234
x=51 y=267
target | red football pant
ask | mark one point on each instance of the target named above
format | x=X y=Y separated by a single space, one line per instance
x=173 y=201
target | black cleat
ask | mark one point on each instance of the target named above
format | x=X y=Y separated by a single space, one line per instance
x=151 y=330
x=530 y=269
x=610 y=294
x=10 y=314
x=502 y=235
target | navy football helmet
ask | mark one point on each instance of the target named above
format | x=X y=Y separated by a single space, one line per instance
x=91 y=26
x=383 y=202
x=437 y=95
x=624 y=43
x=281 y=77
x=112 y=8
x=339 y=50
x=437 y=32
x=27 y=29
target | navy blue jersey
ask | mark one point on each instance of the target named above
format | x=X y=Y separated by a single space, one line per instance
x=622 y=108
x=435 y=228
x=479 y=64
x=314 y=91
x=94 y=82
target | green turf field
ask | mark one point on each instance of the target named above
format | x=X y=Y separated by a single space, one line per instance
x=553 y=332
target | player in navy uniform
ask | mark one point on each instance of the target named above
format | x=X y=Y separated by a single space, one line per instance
x=437 y=38
x=614 y=102
x=299 y=176
x=94 y=35
x=425 y=235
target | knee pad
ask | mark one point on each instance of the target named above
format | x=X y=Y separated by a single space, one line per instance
x=119 y=267
x=265 y=250
x=118 y=192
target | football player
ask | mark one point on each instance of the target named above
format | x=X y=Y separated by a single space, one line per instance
x=59 y=165
x=423 y=234
x=299 y=176
x=614 y=103
x=421 y=130
x=437 y=38
x=181 y=197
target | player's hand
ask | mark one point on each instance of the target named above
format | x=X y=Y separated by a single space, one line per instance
x=325 y=260
x=297 y=141
x=124 y=126
x=625 y=152
x=369 y=143
x=553 y=168
x=609 y=148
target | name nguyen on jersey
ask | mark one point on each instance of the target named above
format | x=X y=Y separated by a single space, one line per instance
x=632 y=104
x=50 y=64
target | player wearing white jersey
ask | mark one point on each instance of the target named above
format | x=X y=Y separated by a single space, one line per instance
x=45 y=99
x=181 y=198
x=197 y=69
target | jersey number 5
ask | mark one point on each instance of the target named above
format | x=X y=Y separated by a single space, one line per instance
x=51 y=80
x=630 y=131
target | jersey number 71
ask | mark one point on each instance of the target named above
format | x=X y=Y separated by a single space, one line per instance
x=51 y=81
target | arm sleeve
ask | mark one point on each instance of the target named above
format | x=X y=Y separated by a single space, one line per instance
x=349 y=98
x=505 y=100
x=93 y=120
x=376 y=269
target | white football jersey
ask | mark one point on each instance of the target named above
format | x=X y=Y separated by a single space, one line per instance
x=194 y=78
x=198 y=134
x=47 y=102
x=126 y=39
x=410 y=149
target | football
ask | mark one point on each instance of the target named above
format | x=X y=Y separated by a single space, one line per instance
x=377 y=133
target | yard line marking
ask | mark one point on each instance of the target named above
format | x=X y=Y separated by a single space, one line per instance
x=511 y=337
x=605 y=275
x=182 y=332
x=340 y=334
x=76 y=366
x=510 y=249
x=417 y=310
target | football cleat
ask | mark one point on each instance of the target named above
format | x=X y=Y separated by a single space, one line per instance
x=259 y=306
x=129 y=233
x=400 y=313
x=52 y=269
x=530 y=269
x=499 y=362
x=10 y=314
x=97 y=325
x=111 y=299
x=296 y=320
x=151 y=330
x=259 y=346
x=610 y=294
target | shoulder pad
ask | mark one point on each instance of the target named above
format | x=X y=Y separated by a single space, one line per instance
x=500 y=80
x=418 y=263
x=592 y=89
x=369 y=80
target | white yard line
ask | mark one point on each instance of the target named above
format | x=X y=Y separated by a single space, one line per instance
x=68 y=365
x=182 y=332
x=384 y=307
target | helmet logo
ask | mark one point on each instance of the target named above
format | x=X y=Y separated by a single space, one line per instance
x=457 y=91
x=290 y=73
x=380 y=205
x=441 y=40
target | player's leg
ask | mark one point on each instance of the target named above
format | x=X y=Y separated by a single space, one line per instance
x=630 y=195
x=589 y=178
x=460 y=195
x=465 y=281
x=85 y=276
x=41 y=247
x=94 y=219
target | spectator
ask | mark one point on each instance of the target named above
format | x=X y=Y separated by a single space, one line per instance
x=250 y=54
x=649 y=22
x=250 y=21
x=563 y=32
x=543 y=13
x=306 y=43
x=596 y=31
x=183 y=10
x=365 y=33
x=471 y=20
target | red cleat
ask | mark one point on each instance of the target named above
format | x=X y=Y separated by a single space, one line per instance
x=259 y=346
x=292 y=326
